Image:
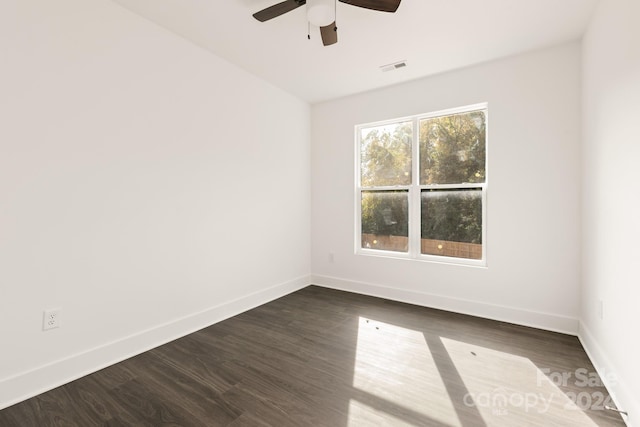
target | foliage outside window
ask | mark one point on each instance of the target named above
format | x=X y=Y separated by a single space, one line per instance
x=422 y=186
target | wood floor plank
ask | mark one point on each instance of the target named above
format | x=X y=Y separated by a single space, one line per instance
x=202 y=401
x=90 y=395
x=321 y=357
x=151 y=407
x=195 y=358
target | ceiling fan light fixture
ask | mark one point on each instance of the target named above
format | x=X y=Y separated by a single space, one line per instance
x=321 y=12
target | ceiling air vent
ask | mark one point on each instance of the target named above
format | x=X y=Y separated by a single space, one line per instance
x=394 y=66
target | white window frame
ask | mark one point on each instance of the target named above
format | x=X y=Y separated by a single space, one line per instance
x=415 y=189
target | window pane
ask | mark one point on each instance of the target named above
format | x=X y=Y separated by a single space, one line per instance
x=452 y=223
x=385 y=155
x=385 y=220
x=452 y=148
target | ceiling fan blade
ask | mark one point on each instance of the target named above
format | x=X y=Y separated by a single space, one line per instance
x=329 y=34
x=278 y=9
x=380 y=5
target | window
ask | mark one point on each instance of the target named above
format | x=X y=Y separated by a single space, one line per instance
x=422 y=186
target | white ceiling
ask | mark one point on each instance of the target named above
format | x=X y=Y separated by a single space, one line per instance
x=433 y=36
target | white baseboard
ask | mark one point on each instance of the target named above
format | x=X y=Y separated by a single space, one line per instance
x=25 y=385
x=546 y=321
x=611 y=378
x=41 y=379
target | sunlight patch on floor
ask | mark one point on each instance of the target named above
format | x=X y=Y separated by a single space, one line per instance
x=363 y=415
x=507 y=389
x=395 y=375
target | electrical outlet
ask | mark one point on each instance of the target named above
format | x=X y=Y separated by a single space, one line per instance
x=51 y=319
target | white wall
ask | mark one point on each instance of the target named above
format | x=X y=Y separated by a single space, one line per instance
x=533 y=192
x=611 y=201
x=139 y=175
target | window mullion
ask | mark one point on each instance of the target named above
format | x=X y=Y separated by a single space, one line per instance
x=414 y=194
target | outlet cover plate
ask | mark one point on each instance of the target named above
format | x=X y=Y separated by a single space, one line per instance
x=51 y=319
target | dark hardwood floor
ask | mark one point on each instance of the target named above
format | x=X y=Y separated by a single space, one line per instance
x=321 y=357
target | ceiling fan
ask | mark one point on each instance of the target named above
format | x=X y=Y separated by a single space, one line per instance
x=322 y=13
